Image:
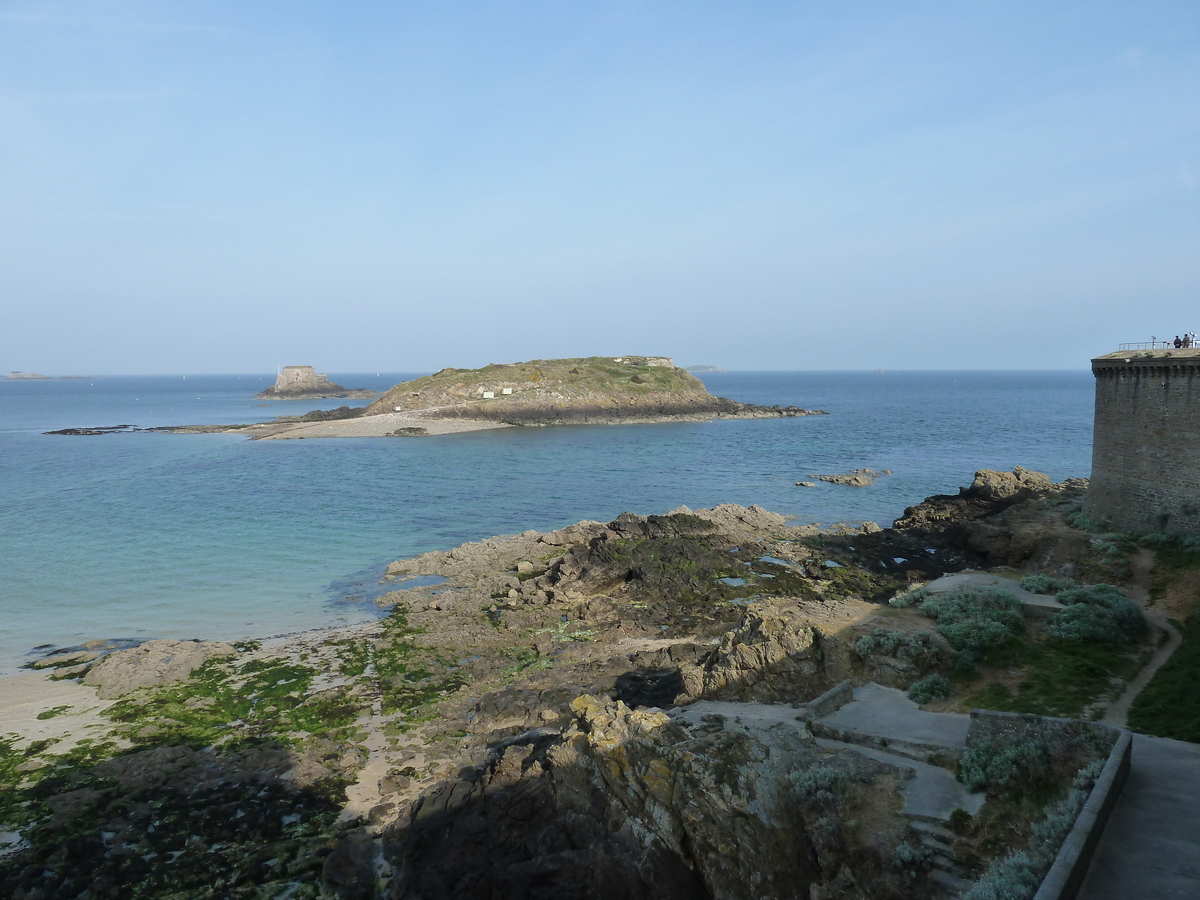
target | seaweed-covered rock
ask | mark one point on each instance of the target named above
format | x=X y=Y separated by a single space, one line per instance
x=154 y=662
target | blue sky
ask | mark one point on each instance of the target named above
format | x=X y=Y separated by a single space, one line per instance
x=223 y=187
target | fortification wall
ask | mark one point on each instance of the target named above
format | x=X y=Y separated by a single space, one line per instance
x=1146 y=445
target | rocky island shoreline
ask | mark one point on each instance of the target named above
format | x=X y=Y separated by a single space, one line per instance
x=585 y=391
x=641 y=708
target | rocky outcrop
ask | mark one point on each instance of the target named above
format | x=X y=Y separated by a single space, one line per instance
x=990 y=485
x=773 y=656
x=853 y=478
x=622 y=803
x=154 y=662
x=990 y=493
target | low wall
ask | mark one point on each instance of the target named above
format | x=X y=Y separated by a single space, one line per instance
x=986 y=724
x=829 y=702
x=1070 y=866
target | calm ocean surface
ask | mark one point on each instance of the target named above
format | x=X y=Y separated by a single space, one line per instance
x=217 y=536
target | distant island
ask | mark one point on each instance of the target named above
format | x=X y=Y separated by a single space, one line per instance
x=597 y=390
x=304 y=383
x=33 y=376
x=704 y=370
x=26 y=376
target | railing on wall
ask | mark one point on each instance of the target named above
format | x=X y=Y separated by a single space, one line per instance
x=1157 y=345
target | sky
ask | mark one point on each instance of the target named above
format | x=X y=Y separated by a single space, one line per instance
x=224 y=187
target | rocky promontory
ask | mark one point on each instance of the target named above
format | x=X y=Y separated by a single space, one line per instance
x=592 y=390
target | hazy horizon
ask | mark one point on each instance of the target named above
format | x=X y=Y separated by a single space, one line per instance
x=220 y=187
x=63 y=376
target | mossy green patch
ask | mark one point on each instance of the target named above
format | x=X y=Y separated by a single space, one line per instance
x=406 y=675
x=52 y=713
x=223 y=702
x=526 y=660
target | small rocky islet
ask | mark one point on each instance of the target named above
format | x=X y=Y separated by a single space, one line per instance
x=621 y=709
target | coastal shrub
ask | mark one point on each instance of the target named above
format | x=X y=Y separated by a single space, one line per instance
x=974 y=619
x=1046 y=584
x=1109 y=547
x=921 y=649
x=1000 y=768
x=879 y=641
x=915 y=597
x=1086 y=625
x=1185 y=543
x=913 y=859
x=1018 y=875
x=918 y=647
x=931 y=687
x=1081 y=520
x=1095 y=594
x=820 y=786
x=1098 y=614
x=1013 y=768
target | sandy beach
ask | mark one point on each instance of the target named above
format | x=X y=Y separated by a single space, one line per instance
x=31 y=693
x=368 y=426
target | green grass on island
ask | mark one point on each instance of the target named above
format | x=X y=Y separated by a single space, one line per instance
x=569 y=377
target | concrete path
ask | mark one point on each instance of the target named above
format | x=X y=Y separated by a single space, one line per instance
x=1151 y=846
x=763 y=715
x=1034 y=604
x=887 y=712
x=932 y=792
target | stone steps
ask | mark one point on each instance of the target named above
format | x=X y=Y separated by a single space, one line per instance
x=946 y=871
x=951 y=884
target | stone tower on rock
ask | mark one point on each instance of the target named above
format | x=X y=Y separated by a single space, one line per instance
x=1146 y=445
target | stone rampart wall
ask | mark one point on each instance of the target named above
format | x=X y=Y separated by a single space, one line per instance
x=1146 y=447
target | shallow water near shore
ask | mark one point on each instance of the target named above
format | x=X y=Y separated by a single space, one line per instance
x=217 y=536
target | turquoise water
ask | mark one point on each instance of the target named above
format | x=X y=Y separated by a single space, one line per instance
x=217 y=536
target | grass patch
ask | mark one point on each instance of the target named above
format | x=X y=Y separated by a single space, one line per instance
x=1169 y=706
x=1060 y=678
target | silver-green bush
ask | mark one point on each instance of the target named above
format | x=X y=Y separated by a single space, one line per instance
x=931 y=687
x=974 y=619
x=1047 y=584
x=1097 y=614
x=819 y=786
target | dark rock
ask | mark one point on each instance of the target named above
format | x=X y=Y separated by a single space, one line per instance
x=349 y=871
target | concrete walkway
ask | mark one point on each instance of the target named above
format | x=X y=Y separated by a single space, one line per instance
x=888 y=713
x=1151 y=845
x=932 y=792
x=1037 y=605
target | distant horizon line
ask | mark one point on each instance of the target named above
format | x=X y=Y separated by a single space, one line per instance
x=38 y=376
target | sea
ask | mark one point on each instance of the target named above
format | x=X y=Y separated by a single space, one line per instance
x=145 y=535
